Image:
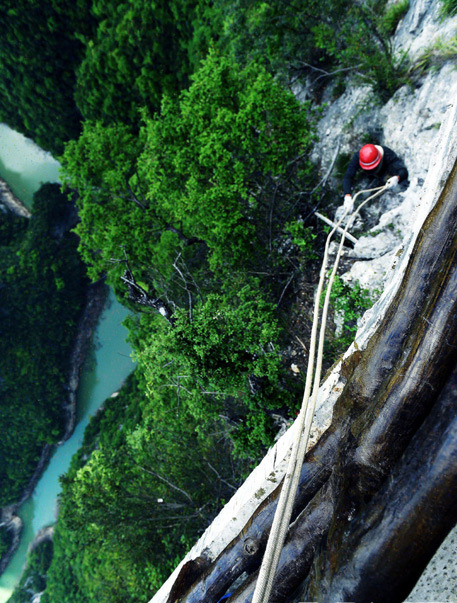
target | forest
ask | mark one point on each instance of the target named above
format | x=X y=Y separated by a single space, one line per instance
x=41 y=294
x=188 y=156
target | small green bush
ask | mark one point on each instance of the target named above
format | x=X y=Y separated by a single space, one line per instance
x=393 y=15
x=448 y=8
x=434 y=56
x=349 y=302
x=303 y=239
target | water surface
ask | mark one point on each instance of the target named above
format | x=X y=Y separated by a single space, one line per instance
x=25 y=167
x=105 y=370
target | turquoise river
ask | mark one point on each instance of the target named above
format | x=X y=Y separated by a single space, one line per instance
x=25 y=167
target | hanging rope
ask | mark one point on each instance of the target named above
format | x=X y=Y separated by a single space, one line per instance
x=303 y=423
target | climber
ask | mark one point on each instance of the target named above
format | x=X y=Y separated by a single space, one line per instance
x=378 y=161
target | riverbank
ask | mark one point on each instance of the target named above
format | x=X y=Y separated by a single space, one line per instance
x=44 y=535
x=11 y=202
x=95 y=301
x=33 y=580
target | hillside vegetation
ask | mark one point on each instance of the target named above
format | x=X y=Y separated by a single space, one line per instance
x=176 y=126
x=41 y=293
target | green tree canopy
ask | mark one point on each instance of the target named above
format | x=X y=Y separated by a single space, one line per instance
x=222 y=171
x=141 y=50
x=143 y=488
x=221 y=360
x=40 y=47
x=219 y=162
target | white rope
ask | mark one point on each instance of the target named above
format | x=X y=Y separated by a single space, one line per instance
x=303 y=423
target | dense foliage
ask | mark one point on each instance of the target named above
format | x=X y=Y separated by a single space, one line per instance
x=201 y=200
x=221 y=362
x=40 y=48
x=139 y=51
x=41 y=292
x=320 y=39
x=11 y=227
x=34 y=578
x=221 y=171
x=63 y=61
x=143 y=486
x=198 y=207
x=348 y=302
x=90 y=59
x=5 y=540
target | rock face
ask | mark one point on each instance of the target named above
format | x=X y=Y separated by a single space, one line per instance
x=9 y=200
x=409 y=124
x=422 y=27
x=13 y=524
x=420 y=124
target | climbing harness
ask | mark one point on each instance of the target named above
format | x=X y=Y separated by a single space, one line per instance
x=303 y=423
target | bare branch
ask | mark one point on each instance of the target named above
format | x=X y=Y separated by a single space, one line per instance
x=301 y=342
x=186 y=285
x=220 y=478
x=292 y=276
x=141 y=296
x=168 y=482
x=133 y=197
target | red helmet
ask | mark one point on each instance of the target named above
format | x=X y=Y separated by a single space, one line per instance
x=370 y=156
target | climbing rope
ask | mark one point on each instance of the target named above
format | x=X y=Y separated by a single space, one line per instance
x=303 y=423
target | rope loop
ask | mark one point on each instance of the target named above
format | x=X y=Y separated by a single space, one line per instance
x=303 y=422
